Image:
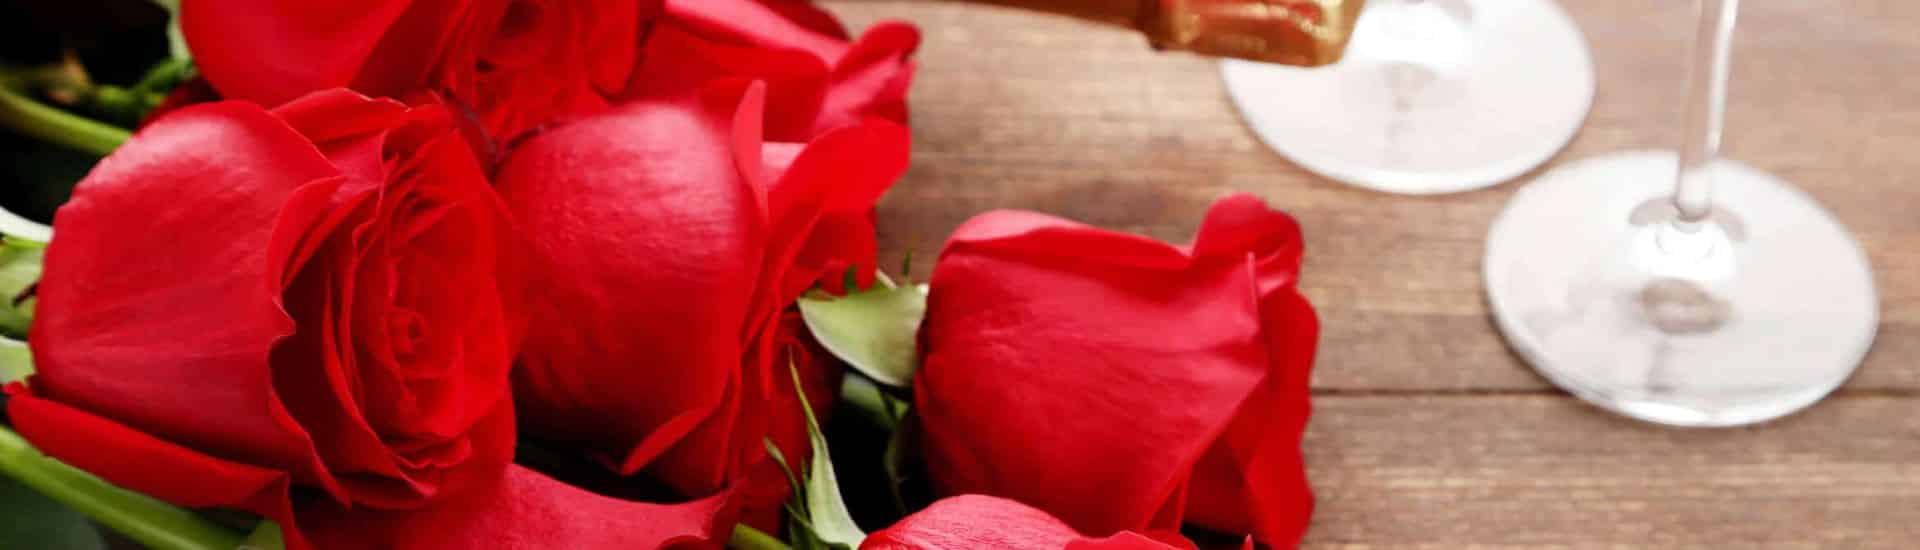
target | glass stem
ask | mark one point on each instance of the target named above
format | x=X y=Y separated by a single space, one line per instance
x=1706 y=110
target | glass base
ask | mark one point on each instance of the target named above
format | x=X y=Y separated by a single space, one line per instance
x=1752 y=315
x=1433 y=96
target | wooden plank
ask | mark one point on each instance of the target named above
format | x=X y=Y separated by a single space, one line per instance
x=1547 y=471
x=1014 y=110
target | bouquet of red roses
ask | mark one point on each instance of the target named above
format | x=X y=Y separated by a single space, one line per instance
x=596 y=274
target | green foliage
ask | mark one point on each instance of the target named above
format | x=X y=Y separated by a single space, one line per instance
x=820 y=517
x=873 y=330
x=20 y=262
x=176 y=41
x=16 y=362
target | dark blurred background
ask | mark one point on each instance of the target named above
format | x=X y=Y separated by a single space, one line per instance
x=114 y=41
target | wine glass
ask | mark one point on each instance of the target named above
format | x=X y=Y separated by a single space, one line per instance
x=1432 y=96
x=1686 y=290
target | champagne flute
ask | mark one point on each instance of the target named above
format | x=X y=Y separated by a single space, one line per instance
x=1433 y=96
x=1683 y=289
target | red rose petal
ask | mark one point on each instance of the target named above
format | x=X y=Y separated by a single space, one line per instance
x=1253 y=480
x=508 y=507
x=1173 y=353
x=1129 y=540
x=971 y=522
x=649 y=242
x=752 y=23
x=351 y=129
x=107 y=342
x=835 y=180
x=272 y=51
x=871 y=80
x=807 y=14
x=708 y=39
x=1121 y=383
x=237 y=332
x=527 y=510
x=678 y=63
x=134 y=460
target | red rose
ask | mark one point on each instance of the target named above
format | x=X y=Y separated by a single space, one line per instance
x=817 y=79
x=520 y=64
x=968 y=522
x=671 y=242
x=326 y=296
x=517 y=63
x=1122 y=383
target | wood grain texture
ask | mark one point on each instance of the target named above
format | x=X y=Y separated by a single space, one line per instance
x=1017 y=110
x=1534 y=471
x=1428 y=433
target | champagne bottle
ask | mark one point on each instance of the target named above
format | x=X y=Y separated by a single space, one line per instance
x=1293 y=32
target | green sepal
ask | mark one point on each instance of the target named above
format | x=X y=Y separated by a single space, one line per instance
x=872 y=330
x=819 y=513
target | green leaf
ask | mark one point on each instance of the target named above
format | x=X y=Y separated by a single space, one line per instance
x=827 y=523
x=873 y=330
x=16 y=362
x=35 y=521
x=20 y=261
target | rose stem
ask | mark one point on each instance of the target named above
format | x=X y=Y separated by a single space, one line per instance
x=748 y=538
x=139 y=517
x=50 y=124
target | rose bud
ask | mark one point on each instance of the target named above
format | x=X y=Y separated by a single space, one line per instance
x=968 y=522
x=308 y=314
x=520 y=64
x=671 y=243
x=1120 y=383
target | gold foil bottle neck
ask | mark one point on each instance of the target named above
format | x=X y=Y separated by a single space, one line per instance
x=1293 y=32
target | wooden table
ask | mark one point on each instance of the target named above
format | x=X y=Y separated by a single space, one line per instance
x=1428 y=432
